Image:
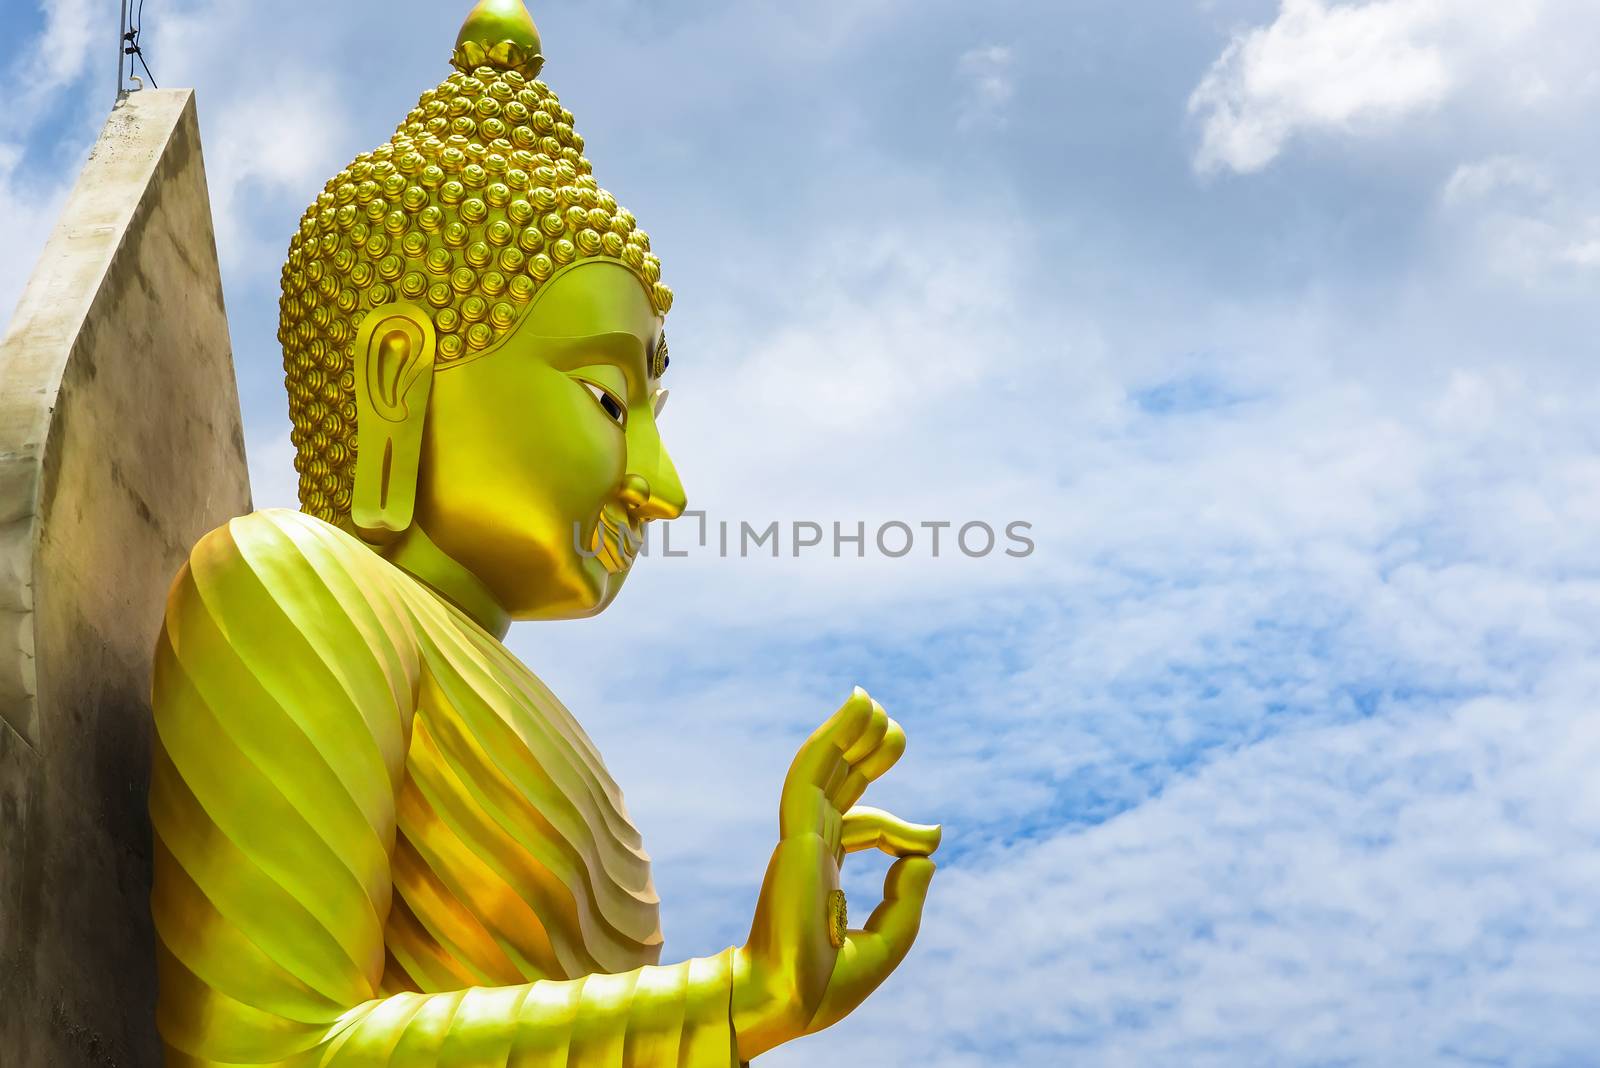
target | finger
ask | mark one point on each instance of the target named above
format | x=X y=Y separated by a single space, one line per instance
x=836 y=784
x=889 y=750
x=820 y=764
x=873 y=828
x=871 y=954
x=877 y=725
x=819 y=753
x=899 y=914
x=873 y=766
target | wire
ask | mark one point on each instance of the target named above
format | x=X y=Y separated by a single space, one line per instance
x=133 y=47
x=146 y=67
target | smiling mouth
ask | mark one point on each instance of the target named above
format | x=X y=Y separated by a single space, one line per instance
x=615 y=545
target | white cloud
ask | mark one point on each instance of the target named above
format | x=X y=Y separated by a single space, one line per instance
x=32 y=190
x=1317 y=67
x=1347 y=69
x=52 y=61
x=1522 y=222
x=1411 y=889
x=988 y=85
x=266 y=138
x=30 y=211
x=1496 y=175
x=273 y=141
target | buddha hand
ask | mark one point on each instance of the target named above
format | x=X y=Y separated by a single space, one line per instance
x=801 y=970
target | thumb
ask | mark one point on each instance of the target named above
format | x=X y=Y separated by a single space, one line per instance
x=872 y=828
x=871 y=954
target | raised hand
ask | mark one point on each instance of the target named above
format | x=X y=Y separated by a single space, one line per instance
x=800 y=970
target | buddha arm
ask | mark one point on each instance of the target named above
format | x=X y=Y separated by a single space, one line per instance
x=285 y=682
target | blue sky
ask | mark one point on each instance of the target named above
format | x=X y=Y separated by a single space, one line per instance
x=1279 y=323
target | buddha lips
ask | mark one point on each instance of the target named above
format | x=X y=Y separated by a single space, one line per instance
x=615 y=546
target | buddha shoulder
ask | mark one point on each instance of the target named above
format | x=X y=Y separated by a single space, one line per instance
x=293 y=602
x=291 y=556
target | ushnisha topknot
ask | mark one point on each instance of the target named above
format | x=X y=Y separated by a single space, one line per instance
x=481 y=195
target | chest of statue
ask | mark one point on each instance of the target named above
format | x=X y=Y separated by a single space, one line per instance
x=514 y=858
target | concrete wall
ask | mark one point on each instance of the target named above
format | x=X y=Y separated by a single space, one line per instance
x=120 y=445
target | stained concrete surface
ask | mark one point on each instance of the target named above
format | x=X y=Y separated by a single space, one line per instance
x=120 y=445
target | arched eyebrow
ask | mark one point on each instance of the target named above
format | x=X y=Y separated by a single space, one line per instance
x=620 y=348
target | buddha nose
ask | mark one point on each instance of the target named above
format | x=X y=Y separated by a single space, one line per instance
x=635 y=491
x=663 y=501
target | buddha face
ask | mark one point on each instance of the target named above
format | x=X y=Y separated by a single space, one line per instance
x=541 y=460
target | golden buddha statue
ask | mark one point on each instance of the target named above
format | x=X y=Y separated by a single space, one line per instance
x=379 y=839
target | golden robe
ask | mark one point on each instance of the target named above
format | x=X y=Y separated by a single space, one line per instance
x=380 y=840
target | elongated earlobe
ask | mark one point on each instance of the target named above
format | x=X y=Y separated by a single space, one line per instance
x=394 y=372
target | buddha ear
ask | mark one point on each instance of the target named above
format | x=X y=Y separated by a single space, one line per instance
x=394 y=353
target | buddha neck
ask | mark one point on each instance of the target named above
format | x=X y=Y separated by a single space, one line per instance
x=416 y=554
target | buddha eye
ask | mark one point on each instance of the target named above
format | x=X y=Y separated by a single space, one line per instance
x=658 y=401
x=607 y=402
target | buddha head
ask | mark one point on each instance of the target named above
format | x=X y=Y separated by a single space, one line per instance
x=473 y=346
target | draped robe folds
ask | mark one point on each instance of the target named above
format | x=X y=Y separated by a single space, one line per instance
x=380 y=840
